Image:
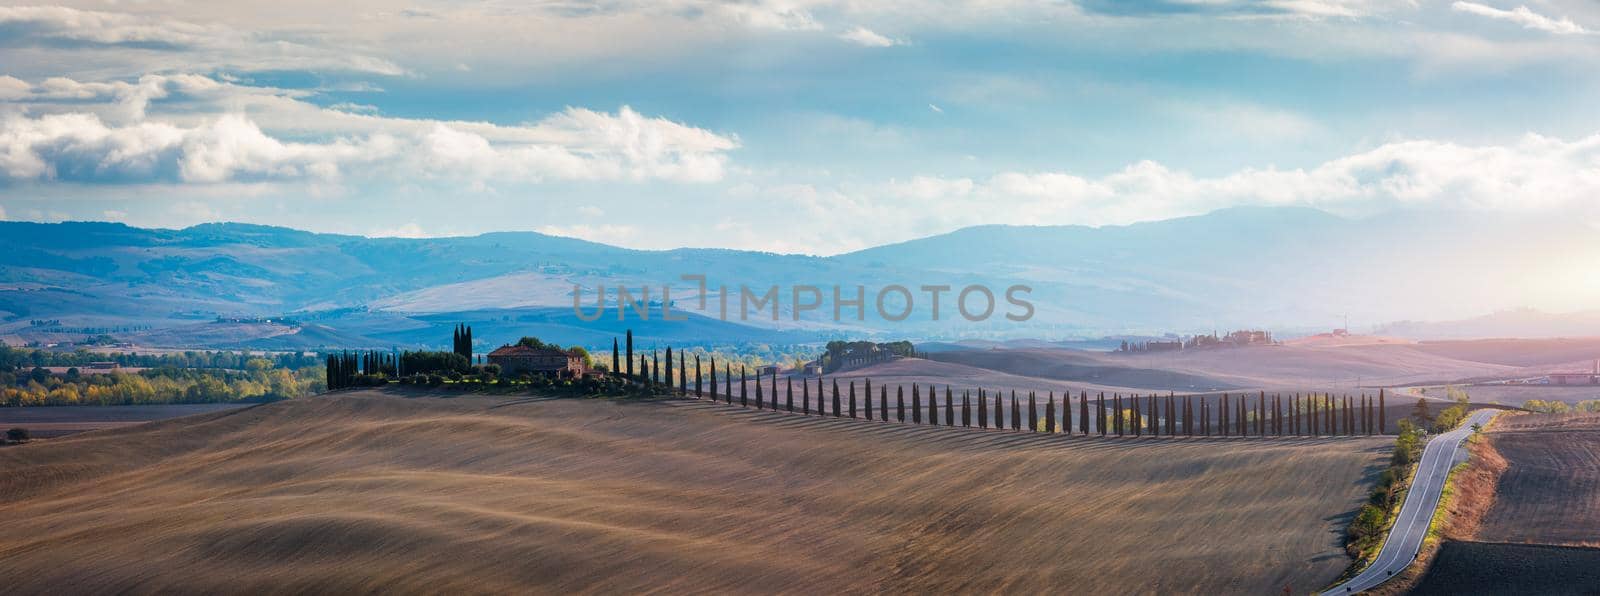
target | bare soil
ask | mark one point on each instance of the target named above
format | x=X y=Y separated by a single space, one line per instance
x=1550 y=491
x=1463 y=568
x=56 y=421
x=380 y=492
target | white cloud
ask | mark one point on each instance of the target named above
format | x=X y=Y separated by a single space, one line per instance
x=869 y=38
x=936 y=109
x=1524 y=16
x=1536 y=174
x=128 y=37
x=223 y=132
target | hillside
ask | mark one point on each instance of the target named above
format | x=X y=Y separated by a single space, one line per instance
x=1286 y=367
x=366 y=492
x=1282 y=268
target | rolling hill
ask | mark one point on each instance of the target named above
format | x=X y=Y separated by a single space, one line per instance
x=408 y=493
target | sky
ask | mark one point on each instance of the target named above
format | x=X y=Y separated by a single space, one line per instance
x=795 y=126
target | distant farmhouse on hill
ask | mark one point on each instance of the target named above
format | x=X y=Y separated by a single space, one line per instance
x=519 y=359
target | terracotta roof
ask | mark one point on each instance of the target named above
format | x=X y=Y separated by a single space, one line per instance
x=519 y=350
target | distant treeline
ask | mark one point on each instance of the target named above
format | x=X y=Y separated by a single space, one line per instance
x=1556 y=407
x=54 y=326
x=838 y=354
x=15 y=358
x=257 y=379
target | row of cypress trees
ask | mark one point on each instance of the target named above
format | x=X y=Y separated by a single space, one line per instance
x=1171 y=415
x=345 y=368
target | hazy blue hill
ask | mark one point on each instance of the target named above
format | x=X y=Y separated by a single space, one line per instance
x=1279 y=268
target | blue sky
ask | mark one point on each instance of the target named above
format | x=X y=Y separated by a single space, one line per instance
x=793 y=126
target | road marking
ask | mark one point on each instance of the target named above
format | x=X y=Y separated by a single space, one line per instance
x=1430 y=487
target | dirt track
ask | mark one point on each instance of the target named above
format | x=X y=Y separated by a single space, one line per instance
x=367 y=492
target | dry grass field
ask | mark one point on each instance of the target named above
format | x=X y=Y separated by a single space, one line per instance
x=369 y=492
x=1550 y=490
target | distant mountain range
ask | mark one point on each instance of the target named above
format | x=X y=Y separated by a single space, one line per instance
x=1287 y=269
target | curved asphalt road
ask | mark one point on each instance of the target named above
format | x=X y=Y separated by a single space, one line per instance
x=1405 y=538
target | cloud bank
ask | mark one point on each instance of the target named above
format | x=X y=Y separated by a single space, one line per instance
x=121 y=143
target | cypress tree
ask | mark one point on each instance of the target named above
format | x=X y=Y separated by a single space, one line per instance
x=630 y=357
x=1100 y=422
x=916 y=405
x=683 y=377
x=760 y=399
x=744 y=390
x=933 y=405
x=668 y=375
x=966 y=408
x=866 y=397
x=805 y=397
x=1016 y=414
x=616 y=361
x=949 y=407
x=1116 y=412
x=822 y=400
x=655 y=367
x=1223 y=406
x=1050 y=415
x=1244 y=422
x=983 y=409
x=1327 y=414
x=900 y=403
x=788 y=394
x=1033 y=413
x=1313 y=418
x=883 y=401
x=1136 y=415
x=697 y=386
x=1261 y=414
x=727 y=381
x=852 y=398
x=713 y=370
x=836 y=398
x=1083 y=414
x=999 y=417
x=1349 y=417
x=1277 y=414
